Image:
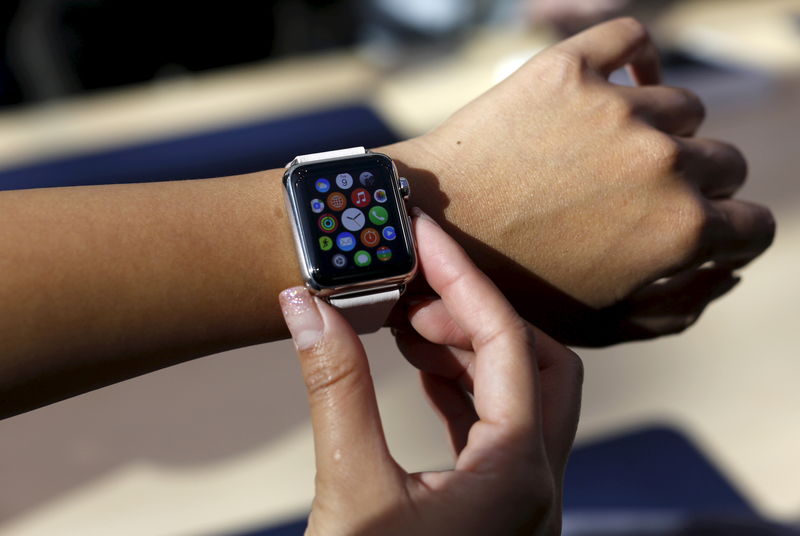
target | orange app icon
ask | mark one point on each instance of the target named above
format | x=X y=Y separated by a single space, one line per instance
x=337 y=201
x=370 y=237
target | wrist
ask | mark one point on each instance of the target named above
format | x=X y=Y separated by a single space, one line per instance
x=432 y=187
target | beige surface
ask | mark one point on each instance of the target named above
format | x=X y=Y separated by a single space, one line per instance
x=755 y=33
x=176 y=107
x=223 y=442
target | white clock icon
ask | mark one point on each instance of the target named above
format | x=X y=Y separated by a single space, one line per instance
x=353 y=219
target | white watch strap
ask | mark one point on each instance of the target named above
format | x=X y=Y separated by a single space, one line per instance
x=367 y=312
x=327 y=155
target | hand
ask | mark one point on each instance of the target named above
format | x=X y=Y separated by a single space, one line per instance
x=583 y=195
x=511 y=444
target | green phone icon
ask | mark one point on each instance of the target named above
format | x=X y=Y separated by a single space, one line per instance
x=378 y=215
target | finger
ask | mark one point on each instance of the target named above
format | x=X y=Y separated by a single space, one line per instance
x=672 y=110
x=738 y=231
x=432 y=321
x=445 y=361
x=454 y=407
x=348 y=436
x=561 y=379
x=504 y=374
x=671 y=305
x=614 y=44
x=717 y=168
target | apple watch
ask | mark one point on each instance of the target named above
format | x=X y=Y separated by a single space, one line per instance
x=352 y=231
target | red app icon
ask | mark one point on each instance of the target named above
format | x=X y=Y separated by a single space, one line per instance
x=360 y=197
x=337 y=201
x=370 y=237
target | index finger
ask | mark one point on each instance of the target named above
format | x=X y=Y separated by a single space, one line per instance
x=615 y=44
x=505 y=373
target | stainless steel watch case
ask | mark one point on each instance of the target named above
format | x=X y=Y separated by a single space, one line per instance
x=402 y=190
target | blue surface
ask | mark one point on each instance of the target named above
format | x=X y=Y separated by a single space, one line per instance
x=652 y=469
x=656 y=469
x=241 y=149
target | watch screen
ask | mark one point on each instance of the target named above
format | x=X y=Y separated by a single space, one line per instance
x=349 y=215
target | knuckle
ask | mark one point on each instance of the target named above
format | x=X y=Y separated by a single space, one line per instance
x=694 y=224
x=560 y=66
x=737 y=163
x=635 y=30
x=619 y=108
x=666 y=151
x=324 y=372
x=514 y=328
x=689 y=101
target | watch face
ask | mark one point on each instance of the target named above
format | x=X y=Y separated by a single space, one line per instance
x=349 y=218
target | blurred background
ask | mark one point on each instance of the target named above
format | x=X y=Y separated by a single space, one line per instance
x=695 y=434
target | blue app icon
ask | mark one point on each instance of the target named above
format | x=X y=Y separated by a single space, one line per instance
x=388 y=233
x=346 y=241
x=322 y=185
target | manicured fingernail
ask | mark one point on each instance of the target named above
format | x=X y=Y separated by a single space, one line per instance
x=418 y=212
x=302 y=317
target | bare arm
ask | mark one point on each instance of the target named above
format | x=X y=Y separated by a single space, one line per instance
x=103 y=283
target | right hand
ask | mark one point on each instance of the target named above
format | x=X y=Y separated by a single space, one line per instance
x=512 y=437
x=577 y=195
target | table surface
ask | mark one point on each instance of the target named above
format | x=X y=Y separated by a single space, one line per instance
x=223 y=443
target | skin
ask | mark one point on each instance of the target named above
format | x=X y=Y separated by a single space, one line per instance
x=511 y=441
x=565 y=189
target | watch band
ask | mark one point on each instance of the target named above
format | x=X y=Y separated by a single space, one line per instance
x=327 y=155
x=365 y=312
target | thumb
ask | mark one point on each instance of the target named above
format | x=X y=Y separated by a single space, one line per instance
x=348 y=436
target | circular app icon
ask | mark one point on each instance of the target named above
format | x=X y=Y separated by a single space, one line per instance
x=378 y=215
x=322 y=185
x=367 y=179
x=325 y=243
x=388 y=233
x=337 y=201
x=360 y=197
x=327 y=223
x=353 y=219
x=346 y=241
x=370 y=237
x=317 y=206
x=384 y=253
x=380 y=196
x=344 y=180
x=362 y=258
x=339 y=260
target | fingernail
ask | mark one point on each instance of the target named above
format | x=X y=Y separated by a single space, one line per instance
x=302 y=317
x=419 y=213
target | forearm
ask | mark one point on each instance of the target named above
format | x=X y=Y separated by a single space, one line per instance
x=103 y=283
